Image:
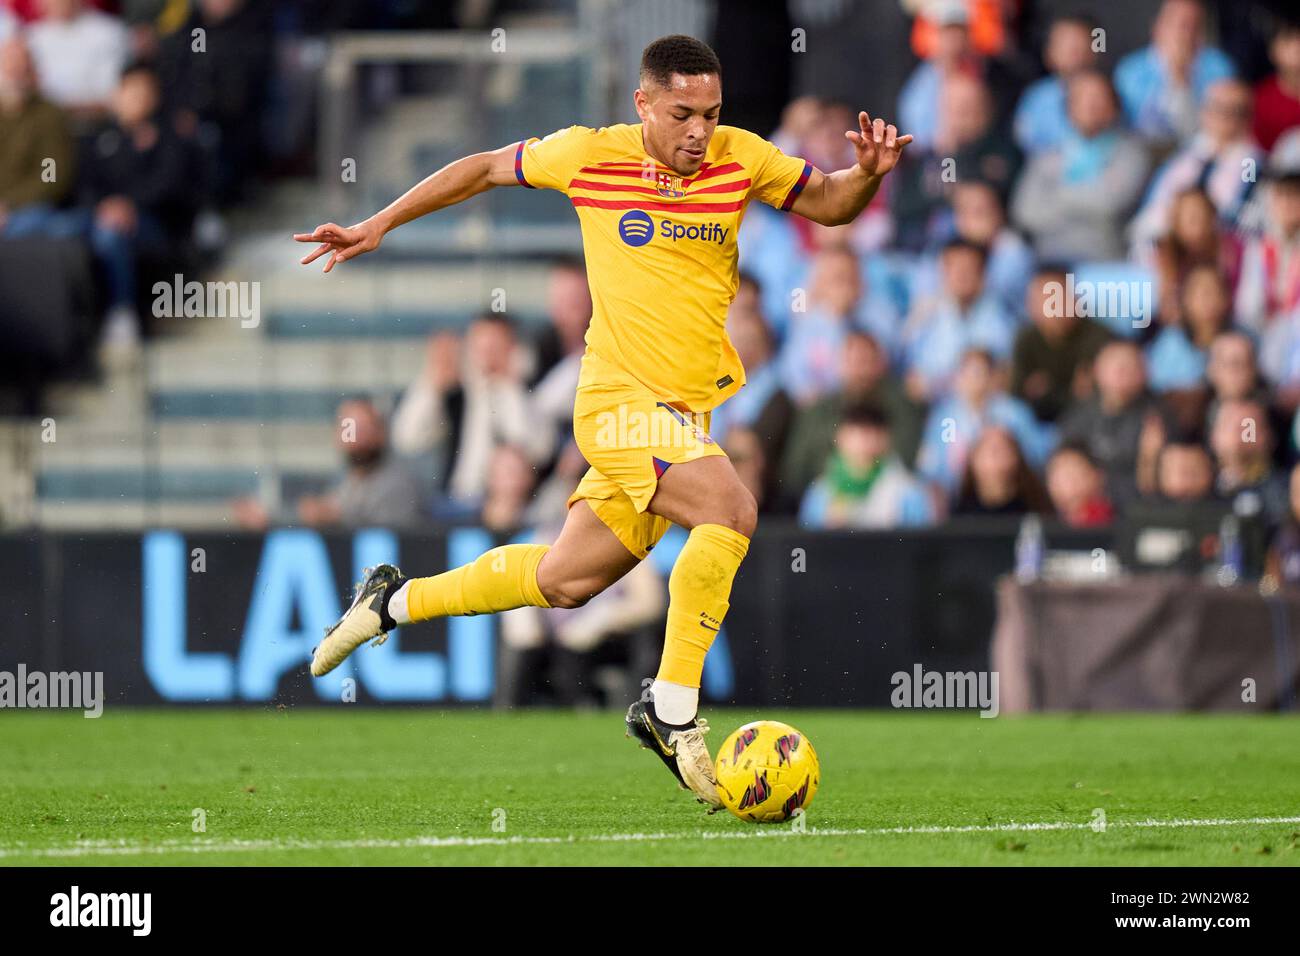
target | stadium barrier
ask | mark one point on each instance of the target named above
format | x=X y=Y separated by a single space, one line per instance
x=817 y=618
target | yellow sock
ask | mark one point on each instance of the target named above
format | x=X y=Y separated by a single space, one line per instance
x=699 y=593
x=498 y=580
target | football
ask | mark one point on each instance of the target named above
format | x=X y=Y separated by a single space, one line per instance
x=766 y=771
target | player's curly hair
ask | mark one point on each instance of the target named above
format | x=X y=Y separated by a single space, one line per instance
x=677 y=53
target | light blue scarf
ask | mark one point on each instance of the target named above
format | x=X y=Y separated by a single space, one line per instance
x=1085 y=159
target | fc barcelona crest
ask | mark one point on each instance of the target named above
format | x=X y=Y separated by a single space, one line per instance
x=669 y=186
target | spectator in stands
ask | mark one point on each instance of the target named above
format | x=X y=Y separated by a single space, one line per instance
x=1051 y=364
x=135 y=180
x=971 y=135
x=1216 y=159
x=1192 y=237
x=568 y=313
x=1073 y=200
x=762 y=406
x=375 y=490
x=865 y=380
x=978 y=216
x=810 y=355
x=969 y=144
x=825 y=146
x=1241 y=439
x=1269 y=285
x=36 y=168
x=823 y=142
x=26 y=12
x=1078 y=488
x=865 y=485
x=1277 y=96
x=1185 y=473
x=799 y=119
x=1232 y=371
x=1041 y=123
x=560 y=350
x=466 y=412
x=508 y=490
x=1283 y=561
x=921 y=108
x=80 y=54
x=770 y=263
x=1163 y=85
x=997 y=480
x=1176 y=357
x=978 y=401
x=217 y=96
x=813 y=127
x=1109 y=425
x=963 y=315
x=989 y=34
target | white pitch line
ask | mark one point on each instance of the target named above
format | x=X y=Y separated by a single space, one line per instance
x=122 y=848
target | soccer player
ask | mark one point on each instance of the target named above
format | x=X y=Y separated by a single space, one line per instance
x=659 y=203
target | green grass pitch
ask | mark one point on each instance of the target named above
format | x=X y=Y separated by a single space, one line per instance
x=416 y=786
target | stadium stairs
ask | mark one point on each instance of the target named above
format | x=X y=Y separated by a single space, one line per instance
x=214 y=411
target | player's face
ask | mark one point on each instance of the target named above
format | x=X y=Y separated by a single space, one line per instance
x=679 y=119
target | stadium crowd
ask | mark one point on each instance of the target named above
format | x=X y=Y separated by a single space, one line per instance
x=140 y=141
x=1081 y=290
x=1076 y=296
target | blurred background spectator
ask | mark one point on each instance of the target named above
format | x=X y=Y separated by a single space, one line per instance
x=1078 y=488
x=462 y=407
x=1074 y=200
x=997 y=480
x=375 y=489
x=1051 y=364
x=865 y=484
x=79 y=53
x=1162 y=85
x=33 y=132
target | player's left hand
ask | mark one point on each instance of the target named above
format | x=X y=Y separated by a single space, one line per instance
x=877 y=144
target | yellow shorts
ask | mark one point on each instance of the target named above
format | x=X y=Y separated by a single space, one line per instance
x=629 y=438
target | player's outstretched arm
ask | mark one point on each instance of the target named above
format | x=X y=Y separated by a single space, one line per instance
x=454 y=183
x=836 y=198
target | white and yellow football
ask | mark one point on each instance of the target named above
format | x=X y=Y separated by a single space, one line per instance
x=766 y=771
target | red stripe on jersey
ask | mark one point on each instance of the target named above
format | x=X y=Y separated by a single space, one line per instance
x=610 y=187
x=636 y=171
x=716 y=171
x=593 y=184
x=657 y=206
x=731 y=187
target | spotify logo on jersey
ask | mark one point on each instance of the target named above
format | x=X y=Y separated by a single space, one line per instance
x=636 y=228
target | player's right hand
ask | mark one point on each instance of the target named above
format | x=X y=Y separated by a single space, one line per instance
x=342 y=243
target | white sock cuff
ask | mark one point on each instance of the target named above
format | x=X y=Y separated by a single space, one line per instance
x=397 y=609
x=675 y=703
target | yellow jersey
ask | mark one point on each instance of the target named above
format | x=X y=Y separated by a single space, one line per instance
x=661 y=248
